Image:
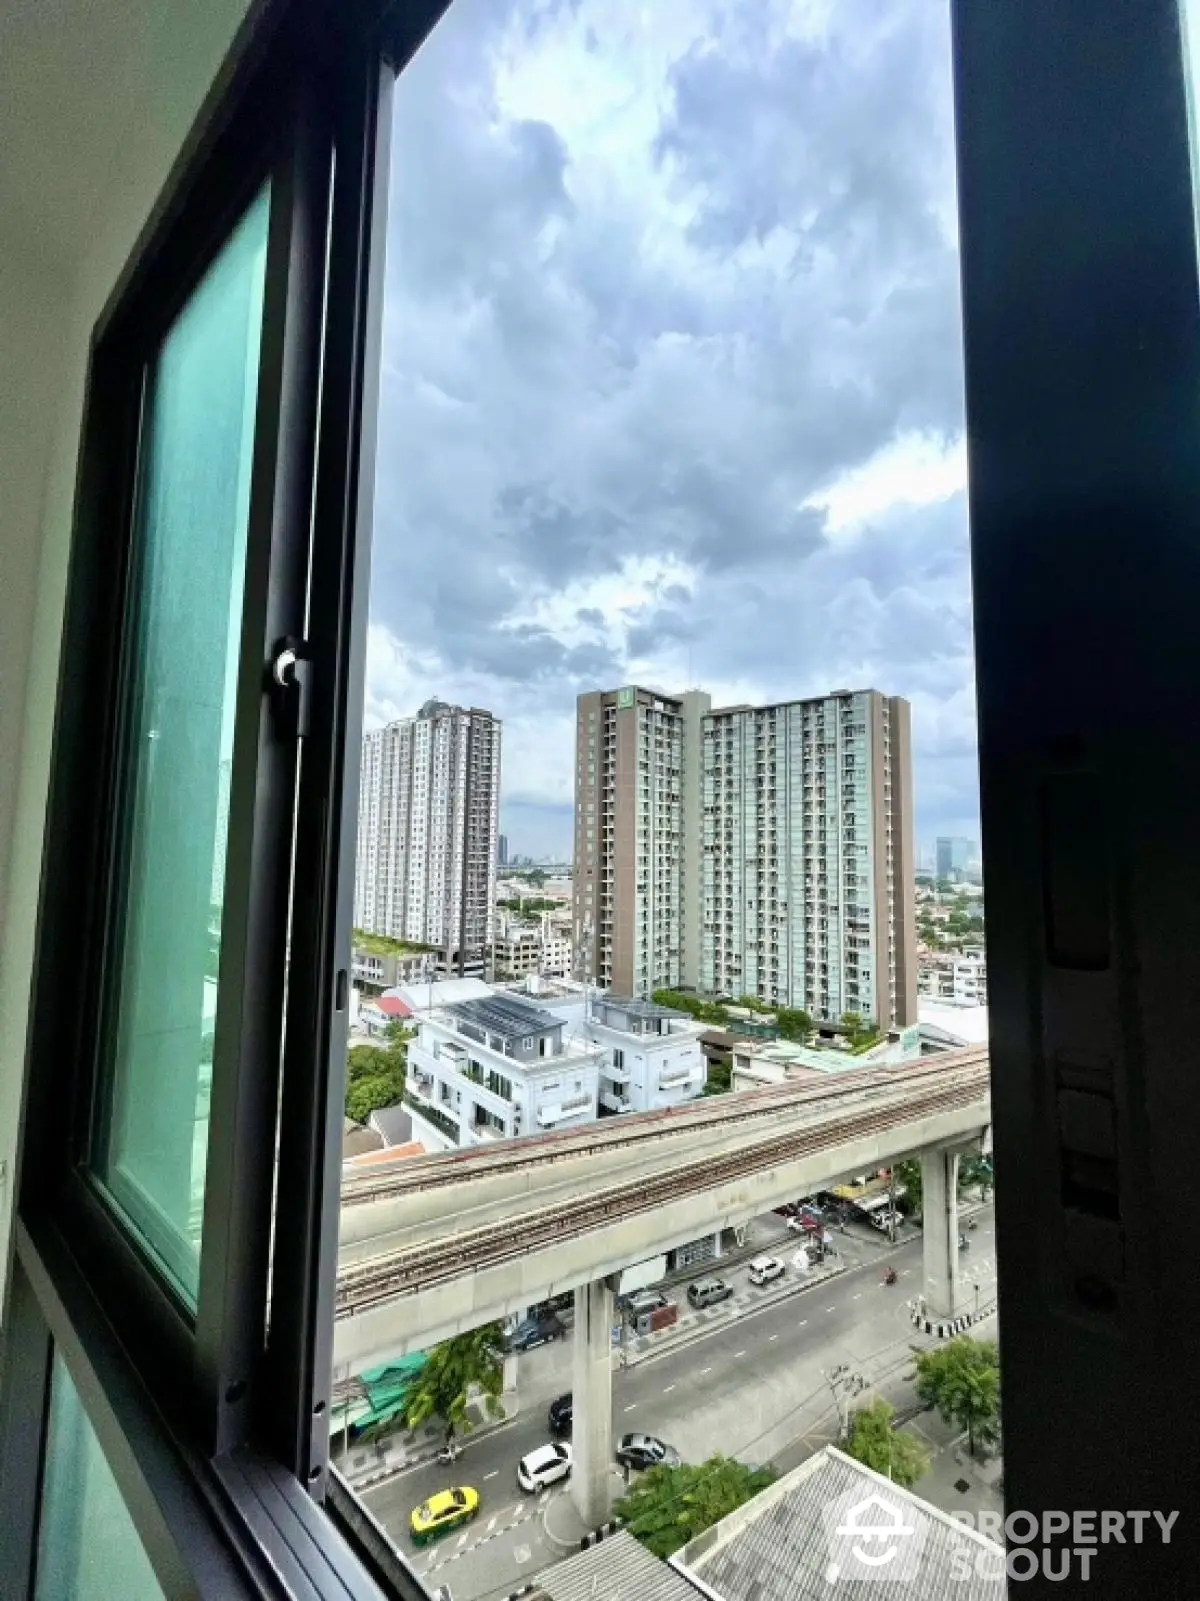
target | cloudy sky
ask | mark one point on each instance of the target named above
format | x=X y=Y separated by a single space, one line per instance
x=672 y=375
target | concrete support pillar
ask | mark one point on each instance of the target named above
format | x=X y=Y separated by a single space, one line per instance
x=591 y=1428
x=939 y=1209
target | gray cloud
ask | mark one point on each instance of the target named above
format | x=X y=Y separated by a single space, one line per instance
x=618 y=381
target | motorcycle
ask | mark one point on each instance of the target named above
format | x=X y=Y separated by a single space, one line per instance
x=449 y=1453
x=973 y=1223
x=890 y=1276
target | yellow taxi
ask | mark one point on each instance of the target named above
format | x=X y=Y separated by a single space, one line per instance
x=445 y=1510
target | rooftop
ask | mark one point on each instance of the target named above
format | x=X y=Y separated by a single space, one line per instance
x=505 y=1016
x=638 y=1008
x=795 y=1542
x=440 y=992
x=618 y=1569
x=966 y=1024
x=392 y=1005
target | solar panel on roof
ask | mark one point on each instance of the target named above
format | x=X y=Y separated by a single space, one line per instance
x=501 y=1015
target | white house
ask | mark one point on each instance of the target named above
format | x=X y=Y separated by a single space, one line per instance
x=651 y=1054
x=496 y=1066
x=954 y=978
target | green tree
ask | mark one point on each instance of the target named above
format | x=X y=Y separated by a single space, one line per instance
x=720 y=1078
x=962 y=1379
x=909 y=1175
x=456 y=1369
x=794 y=1025
x=694 y=1005
x=975 y=1172
x=375 y=1075
x=667 y=1507
x=877 y=1444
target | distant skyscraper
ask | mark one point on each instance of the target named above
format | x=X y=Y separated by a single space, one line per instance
x=955 y=857
x=763 y=851
x=504 y=850
x=427 y=832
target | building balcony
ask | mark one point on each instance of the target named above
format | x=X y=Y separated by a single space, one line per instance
x=612 y=1102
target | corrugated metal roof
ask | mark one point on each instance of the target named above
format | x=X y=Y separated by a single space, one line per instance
x=618 y=1569
x=775 y=1548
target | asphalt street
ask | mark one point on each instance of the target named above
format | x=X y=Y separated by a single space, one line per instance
x=754 y=1388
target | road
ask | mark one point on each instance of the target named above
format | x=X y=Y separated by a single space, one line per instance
x=753 y=1388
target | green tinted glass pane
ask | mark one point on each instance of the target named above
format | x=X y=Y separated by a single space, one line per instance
x=87 y=1544
x=190 y=551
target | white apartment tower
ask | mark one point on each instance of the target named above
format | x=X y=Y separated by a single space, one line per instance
x=428 y=824
x=808 y=882
x=763 y=851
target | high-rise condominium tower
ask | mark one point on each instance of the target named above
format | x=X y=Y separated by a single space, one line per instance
x=637 y=777
x=428 y=819
x=763 y=851
x=808 y=856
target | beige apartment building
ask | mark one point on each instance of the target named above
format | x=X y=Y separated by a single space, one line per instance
x=764 y=851
x=637 y=788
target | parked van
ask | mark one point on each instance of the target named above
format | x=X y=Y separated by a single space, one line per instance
x=765 y=1268
x=707 y=1292
x=643 y=1301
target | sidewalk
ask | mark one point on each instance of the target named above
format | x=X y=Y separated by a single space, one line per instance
x=369 y=1464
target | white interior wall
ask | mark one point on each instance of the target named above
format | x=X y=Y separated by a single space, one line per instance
x=96 y=100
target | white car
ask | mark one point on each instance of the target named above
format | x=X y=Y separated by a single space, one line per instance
x=765 y=1268
x=547 y=1465
x=883 y=1220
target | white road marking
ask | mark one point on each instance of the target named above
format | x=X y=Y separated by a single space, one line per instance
x=831 y=1308
x=460 y=1542
x=904 y=1272
x=495 y=1473
x=631 y=1406
x=802 y=1322
x=857 y=1297
x=491 y=1523
x=736 y=1354
x=668 y=1389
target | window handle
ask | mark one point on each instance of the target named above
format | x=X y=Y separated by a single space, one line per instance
x=291 y=681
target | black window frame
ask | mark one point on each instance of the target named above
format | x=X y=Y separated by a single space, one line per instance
x=217 y=1429
x=1073 y=144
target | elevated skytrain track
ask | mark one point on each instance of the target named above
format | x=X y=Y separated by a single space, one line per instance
x=545 y=1213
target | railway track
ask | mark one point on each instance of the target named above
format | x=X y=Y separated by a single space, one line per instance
x=407 y=1272
x=461 y=1167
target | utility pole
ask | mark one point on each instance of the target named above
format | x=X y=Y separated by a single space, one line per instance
x=843 y=1383
x=892 y=1205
